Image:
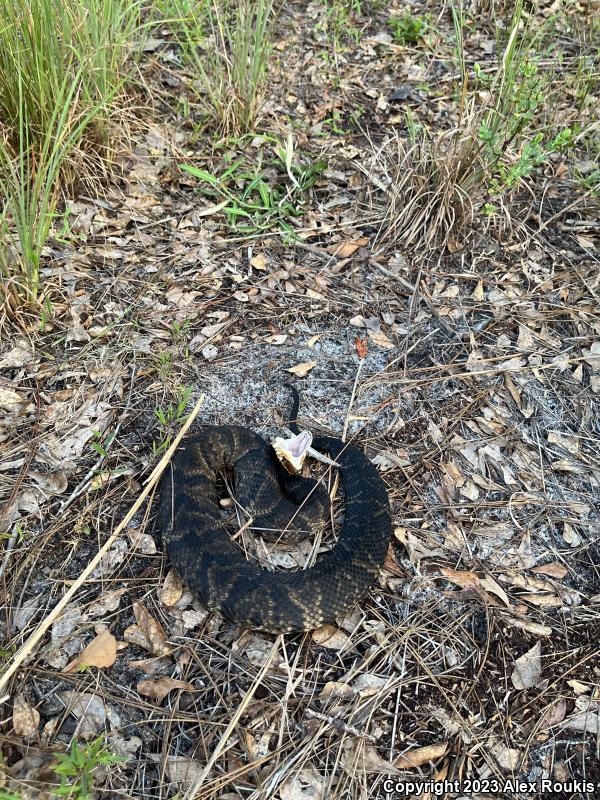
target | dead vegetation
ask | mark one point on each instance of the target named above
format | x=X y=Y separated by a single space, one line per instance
x=473 y=385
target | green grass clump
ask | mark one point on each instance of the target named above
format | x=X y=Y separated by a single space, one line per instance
x=408 y=29
x=61 y=66
x=257 y=195
x=228 y=45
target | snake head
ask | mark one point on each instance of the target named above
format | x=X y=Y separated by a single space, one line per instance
x=292 y=452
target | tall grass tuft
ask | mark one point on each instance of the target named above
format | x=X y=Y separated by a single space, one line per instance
x=61 y=66
x=228 y=46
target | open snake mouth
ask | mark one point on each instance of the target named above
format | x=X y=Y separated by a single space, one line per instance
x=292 y=452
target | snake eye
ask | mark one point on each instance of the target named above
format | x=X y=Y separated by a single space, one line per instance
x=292 y=452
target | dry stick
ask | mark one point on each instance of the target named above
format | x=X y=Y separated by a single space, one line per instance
x=191 y=793
x=35 y=637
x=352 y=396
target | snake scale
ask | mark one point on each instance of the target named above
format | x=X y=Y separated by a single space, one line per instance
x=216 y=569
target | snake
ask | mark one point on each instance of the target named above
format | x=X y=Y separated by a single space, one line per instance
x=216 y=569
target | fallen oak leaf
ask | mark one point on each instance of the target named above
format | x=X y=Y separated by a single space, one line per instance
x=345 y=249
x=302 y=369
x=490 y=585
x=461 y=577
x=100 y=652
x=553 y=569
x=528 y=668
x=158 y=688
x=148 y=633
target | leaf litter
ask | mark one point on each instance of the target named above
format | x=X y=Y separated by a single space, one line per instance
x=477 y=397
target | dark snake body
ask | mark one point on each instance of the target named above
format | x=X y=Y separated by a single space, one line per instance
x=215 y=568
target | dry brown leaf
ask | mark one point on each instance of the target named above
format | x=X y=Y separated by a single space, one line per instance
x=159 y=688
x=545 y=600
x=528 y=668
x=258 y=650
x=391 y=566
x=141 y=541
x=100 y=652
x=478 y=292
x=554 y=714
x=152 y=665
x=578 y=687
x=148 y=633
x=259 y=261
x=421 y=755
x=330 y=637
x=567 y=441
x=490 y=585
x=183 y=770
x=25 y=718
x=554 y=569
x=367 y=685
x=276 y=338
x=302 y=369
x=365 y=758
x=507 y=757
x=381 y=340
x=346 y=249
x=535 y=628
x=10 y=400
x=91 y=711
x=192 y=618
x=313 y=340
x=172 y=589
x=358 y=321
x=336 y=689
x=19 y=356
x=106 y=603
x=585 y=716
x=461 y=577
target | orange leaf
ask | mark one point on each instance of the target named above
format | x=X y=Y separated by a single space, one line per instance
x=361 y=347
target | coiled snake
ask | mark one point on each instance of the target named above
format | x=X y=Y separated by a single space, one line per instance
x=215 y=568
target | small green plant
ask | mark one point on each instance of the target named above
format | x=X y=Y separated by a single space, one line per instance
x=77 y=767
x=102 y=443
x=173 y=414
x=589 y=180
x=408 y=29
x=19 y=530
x=335 y=123
x=339 y=21
x=259 y=196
